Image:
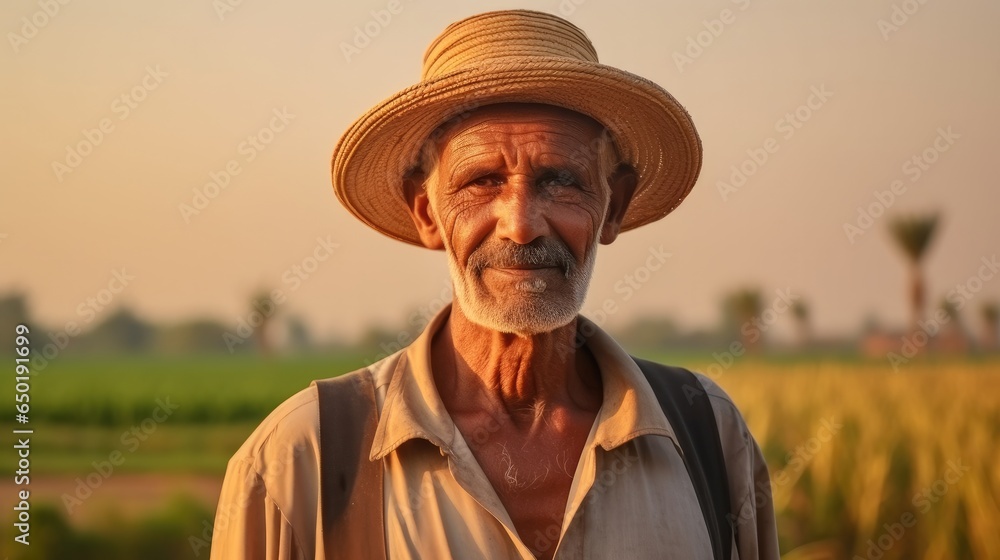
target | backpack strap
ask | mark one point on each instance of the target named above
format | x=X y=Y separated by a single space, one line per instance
x=350 y=484
x=686 y=406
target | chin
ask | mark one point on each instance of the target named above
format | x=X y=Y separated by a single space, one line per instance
x=529 y=315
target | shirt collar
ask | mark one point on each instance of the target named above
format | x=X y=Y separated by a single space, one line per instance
x=413 y=408
x=630 y=408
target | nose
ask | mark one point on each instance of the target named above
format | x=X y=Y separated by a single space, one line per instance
x=521 y=214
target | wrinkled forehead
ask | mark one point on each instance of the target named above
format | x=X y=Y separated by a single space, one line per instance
x=500 y=118
x=553 y=134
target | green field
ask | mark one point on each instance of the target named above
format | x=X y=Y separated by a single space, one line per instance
x=212 y=389
x=83 y=410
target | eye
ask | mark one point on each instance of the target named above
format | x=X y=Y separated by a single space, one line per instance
x=486 y=181
x=559 y=179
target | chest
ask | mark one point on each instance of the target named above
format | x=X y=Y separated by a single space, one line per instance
x=633 y=502
x=532 y=475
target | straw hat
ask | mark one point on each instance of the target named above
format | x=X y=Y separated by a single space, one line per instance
x=515 y=56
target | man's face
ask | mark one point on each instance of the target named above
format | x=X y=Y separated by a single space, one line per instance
x=519 y=205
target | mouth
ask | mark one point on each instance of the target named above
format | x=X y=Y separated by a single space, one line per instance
x=526 y=267
x=526 y=279
x=525 y=271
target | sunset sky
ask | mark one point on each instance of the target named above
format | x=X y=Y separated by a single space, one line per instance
x=181 y=89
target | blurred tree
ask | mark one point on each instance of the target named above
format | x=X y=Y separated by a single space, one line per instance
x=298 y=334
x=649 y=333
x=121 y=331
x=989 y=312
x=950 y=311
x=741 y=308
x=913 y=235
x=951 y=336
x=197 y=336
x=800 y=311
x=262 y=309
x=377 y=336
x=871 y=323
x=13 y=312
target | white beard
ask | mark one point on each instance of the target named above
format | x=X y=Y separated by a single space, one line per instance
x=532 y=308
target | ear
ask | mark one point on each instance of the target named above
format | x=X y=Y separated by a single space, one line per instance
x=622 y=182
x=418 y=201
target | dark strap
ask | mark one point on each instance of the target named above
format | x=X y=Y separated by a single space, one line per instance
x=347 y=477
x=687 y=407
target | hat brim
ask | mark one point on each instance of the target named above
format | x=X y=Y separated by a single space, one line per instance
x=653 y=132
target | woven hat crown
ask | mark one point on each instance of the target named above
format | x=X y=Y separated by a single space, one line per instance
x=512 y=35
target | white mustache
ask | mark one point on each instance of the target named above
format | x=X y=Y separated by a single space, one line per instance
x=500 y=254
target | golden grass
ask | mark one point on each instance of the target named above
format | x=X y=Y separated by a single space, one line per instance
x=912 y=471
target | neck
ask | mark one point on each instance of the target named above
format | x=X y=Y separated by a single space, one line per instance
x=529 y=377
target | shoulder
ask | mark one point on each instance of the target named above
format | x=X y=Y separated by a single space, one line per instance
x=289 y=435
x=733 y=430
x=749 y=479
x=290 y=431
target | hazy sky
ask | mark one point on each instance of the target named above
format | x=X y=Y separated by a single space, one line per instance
x=199 y=81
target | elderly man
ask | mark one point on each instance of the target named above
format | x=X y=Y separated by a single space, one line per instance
x=512 y=427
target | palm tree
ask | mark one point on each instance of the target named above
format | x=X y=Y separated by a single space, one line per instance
x=913 y=234
x=990 y=313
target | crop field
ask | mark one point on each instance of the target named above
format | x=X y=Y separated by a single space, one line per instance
x=868 y=463
x=865 y=462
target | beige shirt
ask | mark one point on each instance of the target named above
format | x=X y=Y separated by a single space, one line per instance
x=631 y=497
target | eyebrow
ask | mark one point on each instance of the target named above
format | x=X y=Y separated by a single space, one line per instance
x=550 y=171
x=489 y=162
x=465 y=172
